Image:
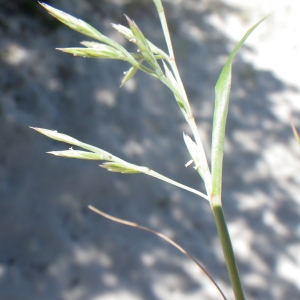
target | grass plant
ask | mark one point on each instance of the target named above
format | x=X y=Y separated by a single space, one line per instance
x=161 y=65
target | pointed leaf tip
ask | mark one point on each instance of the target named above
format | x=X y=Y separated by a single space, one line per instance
x=72 y=22
x=78 y=154
x=222 y=93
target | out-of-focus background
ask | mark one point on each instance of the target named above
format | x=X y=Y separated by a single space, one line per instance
x=53 y=247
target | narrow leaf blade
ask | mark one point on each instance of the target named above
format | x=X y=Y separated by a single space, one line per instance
x=103 y=52
x=61 y=137
x=222 y=92
x=78 y=154
x=72 y=22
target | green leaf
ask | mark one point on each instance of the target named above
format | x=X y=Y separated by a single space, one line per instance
x=86 y=29
x=72 y=22
x=127 y=33
x=77 y=154
x=102 y=51
x=114 y=163
x=121 y=168
x=53 y=134
x=222 y=91
x=144 y=47
x=105 y=50
x=61 y=137
x=128 y=75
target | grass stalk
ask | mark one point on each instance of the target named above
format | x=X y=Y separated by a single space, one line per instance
x=228 y=252
x=222 y=93
x=189 y=117
x=171 y=78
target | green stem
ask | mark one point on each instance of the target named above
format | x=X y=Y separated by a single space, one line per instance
x=162 y=16
x=173 y=182
x=171 y=59
x=228 y=251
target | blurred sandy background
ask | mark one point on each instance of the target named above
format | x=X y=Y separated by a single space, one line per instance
x=53 y=247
